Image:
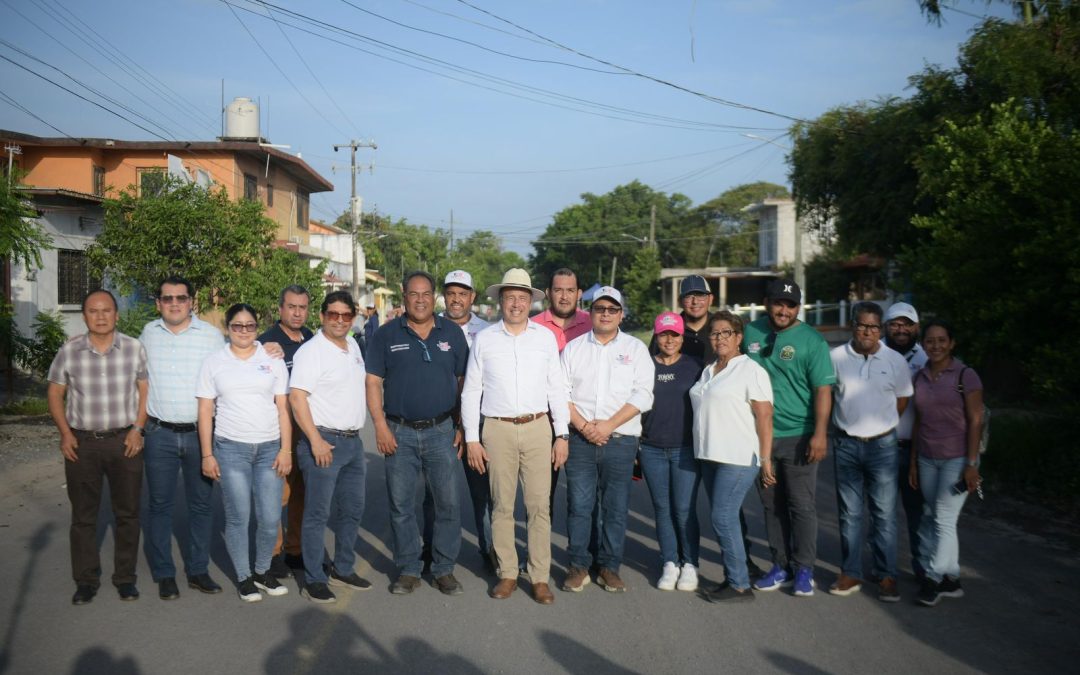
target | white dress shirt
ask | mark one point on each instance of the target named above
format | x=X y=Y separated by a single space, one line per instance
x=512 y=375
x=605 y=377
x=725 y=429
x=866 y=389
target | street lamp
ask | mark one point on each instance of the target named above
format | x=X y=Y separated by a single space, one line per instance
x=641 y=240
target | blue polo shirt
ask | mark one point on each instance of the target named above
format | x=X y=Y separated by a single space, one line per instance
x=414 y=388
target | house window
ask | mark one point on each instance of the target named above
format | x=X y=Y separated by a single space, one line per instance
x=151 y=181
x=270 y=194
x=302 y=205
x=73 y=277
x=99 y=181
x=251 y=187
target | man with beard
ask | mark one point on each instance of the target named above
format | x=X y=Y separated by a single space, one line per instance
x=902 y=335
x=797 y=360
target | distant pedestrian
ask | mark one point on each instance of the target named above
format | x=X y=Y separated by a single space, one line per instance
x=245 y=434
x=97 y=399
x=872 y=390
x=945 y=456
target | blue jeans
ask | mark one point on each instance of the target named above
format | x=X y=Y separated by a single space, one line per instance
x=673 y=477
x=247 y=472
x=165 y=454
x=599 y=477
x=340 y=487
x=941 y=556
x=867 y=467
x=479 y=495
x=727 y=485
x=912 y=501
x=432 y=451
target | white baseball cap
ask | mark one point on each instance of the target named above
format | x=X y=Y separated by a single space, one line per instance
x=459 y=278
x=610 y=293
x=901 y=310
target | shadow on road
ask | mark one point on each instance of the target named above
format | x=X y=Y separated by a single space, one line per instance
x=38 y=543
x=576 y=658
x=97 y=660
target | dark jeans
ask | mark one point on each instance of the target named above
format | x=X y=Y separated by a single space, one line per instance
x=599 y=476
x=790 y=510
x=866 y=475
x=341 y=487
x=912 y=501
x=480 y=497
x=167 y=453
x=99 y=458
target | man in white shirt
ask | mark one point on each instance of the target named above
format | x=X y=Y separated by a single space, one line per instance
x=872 y=389
x=514 y=367
x=329 y=404
x=902 y=336
x=610 y=375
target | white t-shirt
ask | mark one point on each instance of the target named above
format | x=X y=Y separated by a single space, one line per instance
x=244 y=391
x=724 y=429
x=334 y=380
x=866 y=389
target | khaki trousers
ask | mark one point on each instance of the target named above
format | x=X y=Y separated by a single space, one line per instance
x=520 y=452
x=292 y=498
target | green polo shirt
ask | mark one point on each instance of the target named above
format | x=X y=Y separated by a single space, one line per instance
x=797 y=360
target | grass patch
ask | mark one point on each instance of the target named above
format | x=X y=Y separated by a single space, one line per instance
x=1035 y=456
x=27 y=406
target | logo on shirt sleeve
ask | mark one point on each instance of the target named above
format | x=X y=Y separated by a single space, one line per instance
x=753 y=348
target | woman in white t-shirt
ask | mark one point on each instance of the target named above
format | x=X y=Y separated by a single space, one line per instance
x=732 y=437
x=244 y=431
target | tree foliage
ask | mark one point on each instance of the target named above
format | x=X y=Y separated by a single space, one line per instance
x=642 y=289
x=21 y=238
x=260 y=285
x=732 y=240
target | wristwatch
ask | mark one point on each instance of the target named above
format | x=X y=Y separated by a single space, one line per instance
x=141 y=430
x=565 y=437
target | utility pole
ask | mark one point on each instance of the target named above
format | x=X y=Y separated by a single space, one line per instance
x=451 y=229
x=359 y=261
x=12 y=150
x=652 y=226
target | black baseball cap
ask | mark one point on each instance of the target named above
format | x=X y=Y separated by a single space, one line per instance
x=784 y=289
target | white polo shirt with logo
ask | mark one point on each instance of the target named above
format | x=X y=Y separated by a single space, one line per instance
x=334 y=380
x=866 y=389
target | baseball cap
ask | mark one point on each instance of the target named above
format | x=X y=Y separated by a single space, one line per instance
x=609 y=293
x=899 y=310
x=460 y=278
x=668 y=321
x=695 y=283
x=784 y=289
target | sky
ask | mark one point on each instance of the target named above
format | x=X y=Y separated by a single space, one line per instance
x=502 y=113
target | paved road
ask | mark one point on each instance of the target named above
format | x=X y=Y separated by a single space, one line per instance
x=1020 y=614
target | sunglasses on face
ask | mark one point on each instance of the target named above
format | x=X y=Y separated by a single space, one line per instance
x=169 y=299
x=339 y=316
x=612 y=310
x=243 y=327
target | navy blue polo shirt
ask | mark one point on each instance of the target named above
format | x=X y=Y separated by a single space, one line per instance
x=413 y=388
x=288 y=345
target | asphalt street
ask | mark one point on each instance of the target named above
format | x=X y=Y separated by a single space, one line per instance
x=1020 y=613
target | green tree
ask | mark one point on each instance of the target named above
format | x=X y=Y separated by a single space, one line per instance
x=260 y=285
x=730 y=237
x=200 y=234
x=481 y=254
x=642 y=287
x=21 y=238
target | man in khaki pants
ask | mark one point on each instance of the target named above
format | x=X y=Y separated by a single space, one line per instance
x=514 y=378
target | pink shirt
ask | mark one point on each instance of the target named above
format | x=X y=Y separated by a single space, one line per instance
x=575 y=326
x=942 y=423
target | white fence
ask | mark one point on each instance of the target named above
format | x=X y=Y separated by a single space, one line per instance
x=819 y=313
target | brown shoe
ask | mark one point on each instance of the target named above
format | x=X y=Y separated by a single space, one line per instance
x=576 y=579
x=543 y=594
x=888 y=591
x=503 y=589
x=845 y=585
x=610 y=581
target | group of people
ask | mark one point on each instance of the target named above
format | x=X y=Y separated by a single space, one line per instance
x=276 y=419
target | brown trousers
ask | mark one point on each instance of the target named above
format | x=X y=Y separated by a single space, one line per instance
x=292 y=498
x=103 y=458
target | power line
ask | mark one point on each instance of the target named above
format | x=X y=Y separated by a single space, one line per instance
x=516 y=36
x=12 y=102
x=630 y=71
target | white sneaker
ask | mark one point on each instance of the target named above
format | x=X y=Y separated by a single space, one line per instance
x=687 y=578
x=668 y=577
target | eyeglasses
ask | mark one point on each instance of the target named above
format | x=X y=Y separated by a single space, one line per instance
x=721 y=334
x=607 y=309
x=339 y=316
x=243 y=327
x=427 y=354
x=868 y=327
x=169 y=299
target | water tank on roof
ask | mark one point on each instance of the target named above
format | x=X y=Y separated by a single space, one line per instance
x=242 y=119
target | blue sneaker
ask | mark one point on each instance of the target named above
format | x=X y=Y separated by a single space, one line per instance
x=804 y=582
x=776 y=578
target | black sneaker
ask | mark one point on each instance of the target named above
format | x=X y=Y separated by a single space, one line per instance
x=950 y=588
x=318 y=592
x=491 y=566
x=726 y=594
x=278 y=568
x=84 y=594
x=294 y=562
x=405 y=584
x=448 y=585
x=248 y=592
x=269 y=583
x=167 y=589
x=929 y=593
x=203 y=582
x=351 y=580
x=128 y=592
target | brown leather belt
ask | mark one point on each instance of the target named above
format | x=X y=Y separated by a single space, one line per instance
x=521 y=419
